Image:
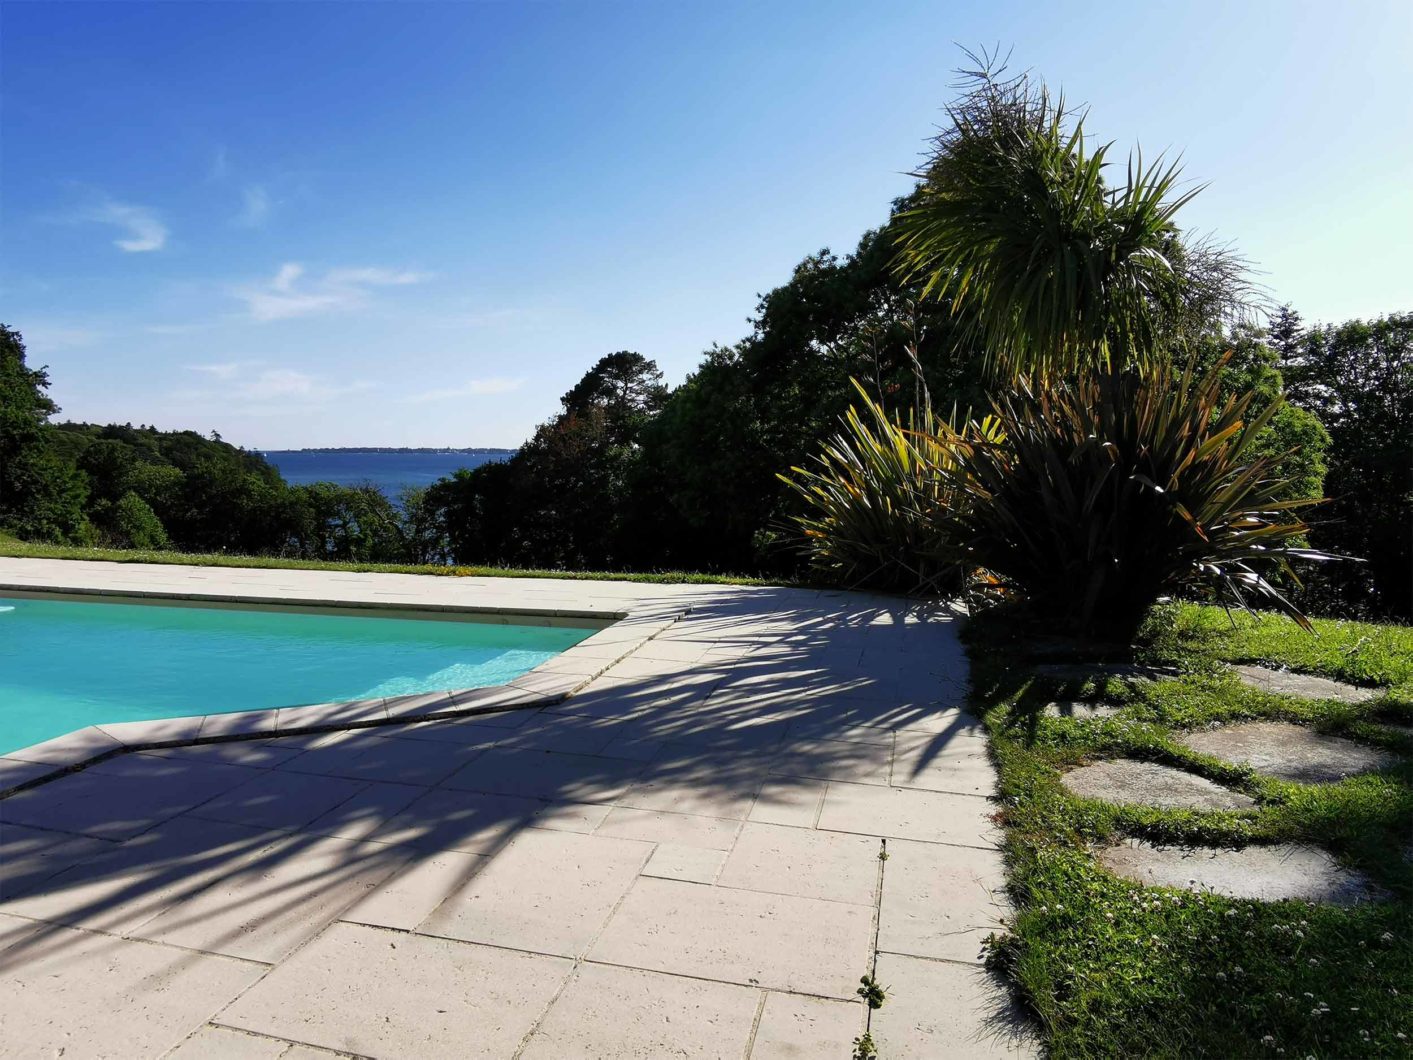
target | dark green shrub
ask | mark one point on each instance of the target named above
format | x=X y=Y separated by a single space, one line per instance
x=1112 y=489
x=875 y=500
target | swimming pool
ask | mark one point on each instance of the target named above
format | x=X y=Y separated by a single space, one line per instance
x=66 y=663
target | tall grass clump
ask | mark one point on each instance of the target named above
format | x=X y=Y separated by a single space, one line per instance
x=875 y=501
x=1112 y=488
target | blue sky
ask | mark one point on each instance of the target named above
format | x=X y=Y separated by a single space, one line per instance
x=309 y=224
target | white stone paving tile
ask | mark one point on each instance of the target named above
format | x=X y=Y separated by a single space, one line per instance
x=479 y=730
x=582 y=817
x=416 y=889
x=548 y=892
x=811 y=864
x=279 y=800
x=366 y=813
x=802 y=1028
x=156 y=730
x=673 y=861
x=29 y=856
x=775 y=941
x=16 y=771
x=363 y=757
x=256 y=754
x=940 y=901
x=905 y=813
x=817 y=759
x=121 y=797
x=940 y=1010
x=372 y=992
x=623 y=1012
x=547 y=775
x=788 y=800
x=73 y=747
x=222 y=1043
x=74 y=993
x=264 y=905
x=470 y=821
x=703 y=787
x=659 y=826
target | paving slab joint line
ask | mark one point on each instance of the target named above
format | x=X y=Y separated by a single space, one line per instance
x=755 y=1023
x=355 y=899
x=940 y=960
x=61 y=769
x=819 y=807
x=138 y=940
x=582 y=956
x=273 y=1037
x=748 y=985
x=877 y=927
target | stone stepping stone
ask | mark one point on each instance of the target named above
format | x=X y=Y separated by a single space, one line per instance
x=1266 y=873
x=1307 y=686
x=1080 y=710
x=1290 y=752
x=1133 y=783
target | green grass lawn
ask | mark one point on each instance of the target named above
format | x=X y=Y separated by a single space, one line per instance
x=9 y=546
x=1112 y=968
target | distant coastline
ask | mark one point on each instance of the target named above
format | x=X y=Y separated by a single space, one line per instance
x=440 y=450
x=390 y=469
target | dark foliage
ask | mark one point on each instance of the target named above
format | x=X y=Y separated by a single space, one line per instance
x=1357 y=378
x=1115 y=487
x=566 y=498
x=40 y=495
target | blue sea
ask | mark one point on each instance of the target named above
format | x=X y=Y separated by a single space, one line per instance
x=390 y=472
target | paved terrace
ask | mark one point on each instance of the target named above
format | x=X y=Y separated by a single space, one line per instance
x=680 y=858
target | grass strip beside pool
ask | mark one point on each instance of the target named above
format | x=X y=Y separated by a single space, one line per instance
x=9 y=546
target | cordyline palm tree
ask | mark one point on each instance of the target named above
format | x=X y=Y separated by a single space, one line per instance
x=1052 y=267
x=1113 y=477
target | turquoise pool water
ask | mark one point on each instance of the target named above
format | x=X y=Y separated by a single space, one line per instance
x=66 y=664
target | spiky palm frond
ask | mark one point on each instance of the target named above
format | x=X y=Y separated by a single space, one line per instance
x=1046 y=262
x=874 y=501
x=1116 y=487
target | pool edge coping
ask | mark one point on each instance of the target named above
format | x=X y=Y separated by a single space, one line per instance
x=544 y=685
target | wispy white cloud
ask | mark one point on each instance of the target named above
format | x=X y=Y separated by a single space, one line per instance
x=178 y=329
x=143 y=229
x=226 y=370
x=519 y=318
x=471 y=388
x=44 y=338
x=373 y=277
x=289 y=384
x=220 y=164
x=291 y=293
x=245 y=386
x=255 y=207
